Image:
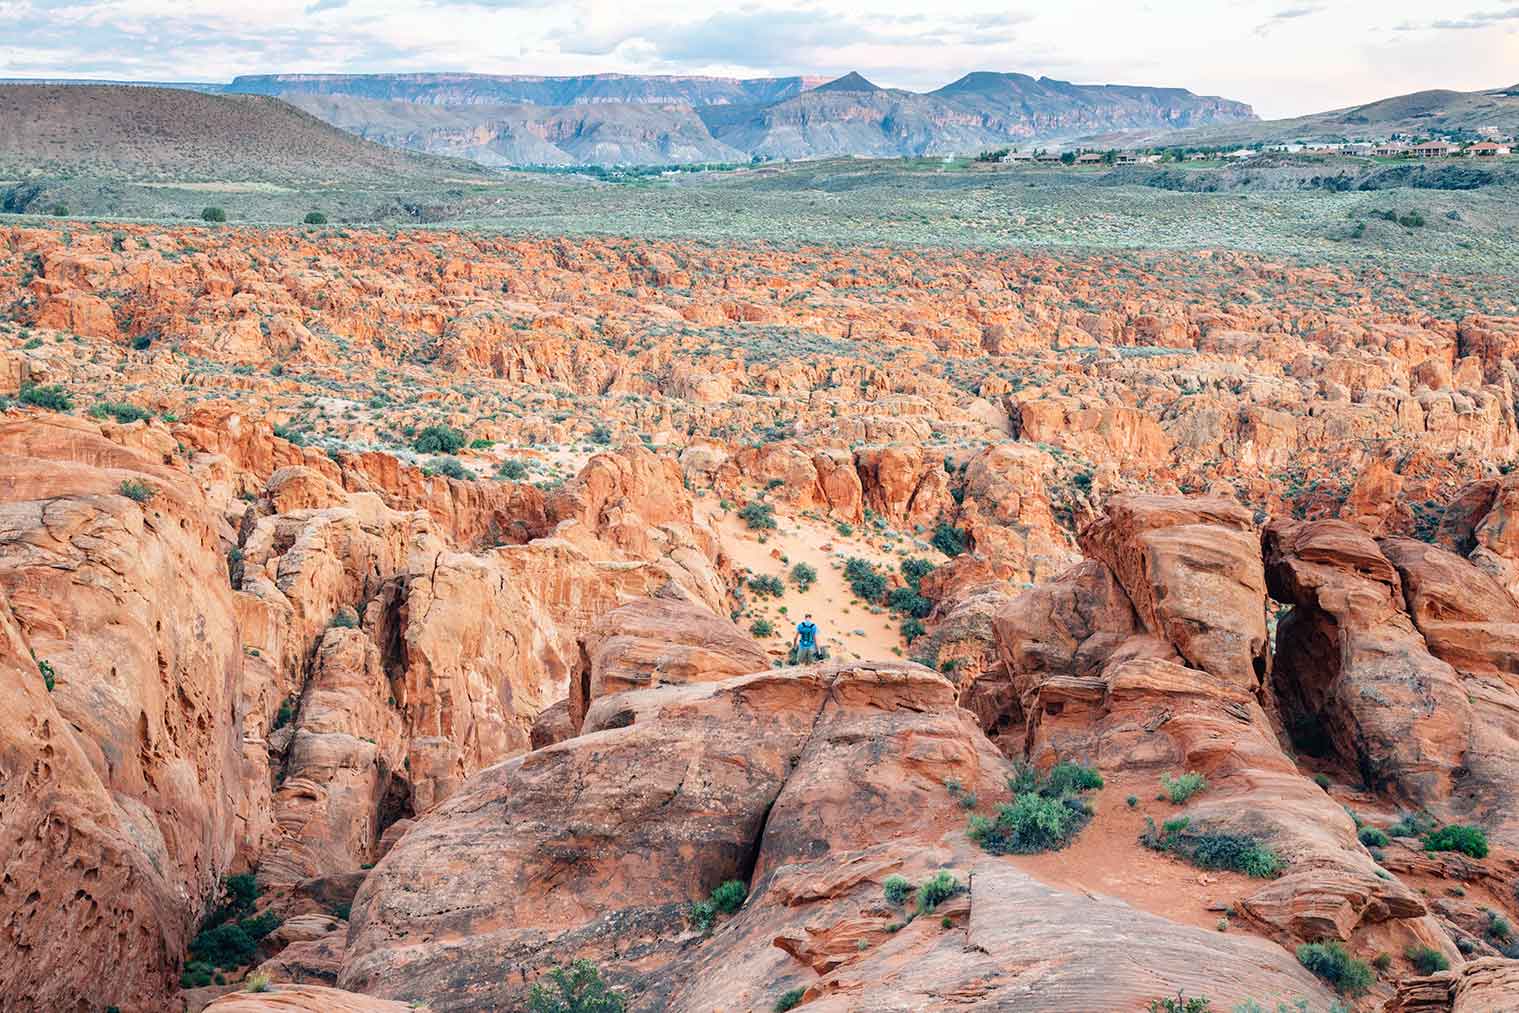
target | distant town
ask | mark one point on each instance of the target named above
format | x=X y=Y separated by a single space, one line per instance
x=1488 y=142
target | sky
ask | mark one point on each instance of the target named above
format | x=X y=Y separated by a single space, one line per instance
x=1284 y=57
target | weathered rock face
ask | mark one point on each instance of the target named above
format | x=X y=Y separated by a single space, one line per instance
x=340 y=769
x=304 y=999
x=1473 y=987
x=708 y=782
x=1086 y=678
x=1350 y=660
x=1192 y=569
x=664 y=639
x=122 y=784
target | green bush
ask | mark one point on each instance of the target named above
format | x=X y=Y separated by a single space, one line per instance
x=896 y=889
x=1181 y=1004
x=214 y=214
x=1330 y=962
x=949 y=539
x=729 y=896
x=1466 y=839
x=1411 y=825
x=1426 y=959
x=1029 y=824
x=136 y=491
x=449 y=467
x=915 y=569
x=803 y=576
x=1237 y=852
x=1180 y=789
x=757 y=516
x=767 y=586
x=908 y=600
x=345 y=619
x=438 y=440
x=863 y=580
x=232 y=944
x=937 y=890
x=120 y=411
x=45 y=669
x=789 y=1000
x=1498 y=927
x=1065 y=778
x=1372 y=837
x=512 y=469
x=59 y=211
x=601 y=435
x=315 y=218
x=52 y=397
x=574 y=988
x=762 y=628
x=912 y=629
x=290 y=434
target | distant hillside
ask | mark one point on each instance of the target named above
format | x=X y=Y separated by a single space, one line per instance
x=498 y=89
x=145 y=134
x=1422 y=112
x=505 y=120
x=504 y=135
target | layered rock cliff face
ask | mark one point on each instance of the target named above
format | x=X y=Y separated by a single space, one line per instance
x=425 y=603
x=452 y=767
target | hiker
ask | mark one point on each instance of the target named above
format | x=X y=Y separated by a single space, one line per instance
x=805 y=644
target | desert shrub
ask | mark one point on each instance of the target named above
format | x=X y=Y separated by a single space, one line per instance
x=729 y=896
x=285 y=714
x=803 y=576
x=258 y=981
x=1329 y=961
x=315 y=218
x=1237 y=852
x=574 y=988
x=233 y=944
x=725 y=899
x=1498 y=927
x=896 y=889
x=767 y=586
x=1066 y=777
x=915 y=569
x=1372 y=837
x=757 y=515
x=949 y=539
x=448 y=467
x=1426 y=959
x=136 y=491
x=762 y=628
x=345 y=619
x=908 y=600
x=52 y=397
x=142 y=342
x=912 y=629
x=214 y=214
x=438 y=440
x=863 y=580
x=935 y=891
x=512 y=469
x=601 y=435
x=45 y=669
x=1468 y=840
x=121 y=411
x=1181 y=1004
x=1029 y=824
x=1180 y=789
x=59 y=211
x=789 y=1000
x=290 y=434
x=1411 y=825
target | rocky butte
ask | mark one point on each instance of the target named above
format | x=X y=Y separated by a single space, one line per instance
x=398 y=620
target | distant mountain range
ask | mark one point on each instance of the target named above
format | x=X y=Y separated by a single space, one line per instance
x=629 y=119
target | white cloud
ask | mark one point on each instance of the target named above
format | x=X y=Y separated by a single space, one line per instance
x=1285 y=57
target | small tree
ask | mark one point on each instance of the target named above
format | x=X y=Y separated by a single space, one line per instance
x=315 y=218
x=575 y=988
x=214 y=214
x=438 y=440
x=59 y=211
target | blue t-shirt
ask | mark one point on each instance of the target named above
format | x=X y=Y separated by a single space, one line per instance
x=808 y=632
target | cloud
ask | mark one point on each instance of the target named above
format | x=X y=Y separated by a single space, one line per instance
x=1289 y=14
x=326 y=5
x=1472 y=22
